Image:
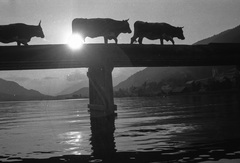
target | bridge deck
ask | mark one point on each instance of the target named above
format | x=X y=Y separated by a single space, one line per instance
x=121 y=55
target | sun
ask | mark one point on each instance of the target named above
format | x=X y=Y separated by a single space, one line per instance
x=75 y=41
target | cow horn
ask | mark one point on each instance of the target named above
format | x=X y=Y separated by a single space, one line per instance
x=39 y=23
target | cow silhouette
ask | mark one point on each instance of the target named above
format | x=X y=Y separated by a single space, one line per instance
x=20 y=33
x=96 y=27
x=153 y=31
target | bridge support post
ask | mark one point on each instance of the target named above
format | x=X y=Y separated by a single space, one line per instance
x=101 y=102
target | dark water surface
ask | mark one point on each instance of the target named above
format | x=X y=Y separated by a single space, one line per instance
x=171 y=129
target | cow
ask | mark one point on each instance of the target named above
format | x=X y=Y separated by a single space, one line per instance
x=97 y=27
x=153 y=31
x=20 y=33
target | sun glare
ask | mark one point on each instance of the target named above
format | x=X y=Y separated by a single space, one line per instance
x=75 y=41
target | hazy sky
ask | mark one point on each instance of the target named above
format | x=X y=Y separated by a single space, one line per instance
x=200 y=18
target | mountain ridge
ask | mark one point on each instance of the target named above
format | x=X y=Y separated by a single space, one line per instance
x=228 y=36
x=81 y=93
x=158 y=74
x=10 y=90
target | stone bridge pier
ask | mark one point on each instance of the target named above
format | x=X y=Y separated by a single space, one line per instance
x=101 y=100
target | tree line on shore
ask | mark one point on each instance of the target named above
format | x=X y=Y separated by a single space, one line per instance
x=164 y=88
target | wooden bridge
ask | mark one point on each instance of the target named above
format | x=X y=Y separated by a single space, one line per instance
x=101 y=59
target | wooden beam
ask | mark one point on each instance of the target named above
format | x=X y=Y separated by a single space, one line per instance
x=121 y=55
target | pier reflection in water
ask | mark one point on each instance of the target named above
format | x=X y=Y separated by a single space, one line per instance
x=102 y=138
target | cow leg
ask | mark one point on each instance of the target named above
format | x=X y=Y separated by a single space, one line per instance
x=18 y=43
x=140 y=40
x=161 y=41
x=116 y=40
x=105 y=40
x=133 y=39
x=22 y=41
x=172 y=41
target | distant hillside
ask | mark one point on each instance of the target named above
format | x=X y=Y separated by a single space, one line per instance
x=81 y=93
x=116 y=80
x=10 y=90
x=228 y=36
x=176 y=75
x=73 y=88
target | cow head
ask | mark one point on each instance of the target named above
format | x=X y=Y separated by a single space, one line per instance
x=179 y=33
x=126 y=27
x=39 y=31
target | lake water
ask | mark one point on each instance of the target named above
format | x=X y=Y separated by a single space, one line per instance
x=172 y=129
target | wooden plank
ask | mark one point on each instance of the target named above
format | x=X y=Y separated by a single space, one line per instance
x=121 y=55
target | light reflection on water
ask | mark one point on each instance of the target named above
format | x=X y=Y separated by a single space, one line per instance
x=73 y=139
x=172 y=126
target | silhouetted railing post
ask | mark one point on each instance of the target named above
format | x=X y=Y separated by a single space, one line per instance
x=101 y=89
